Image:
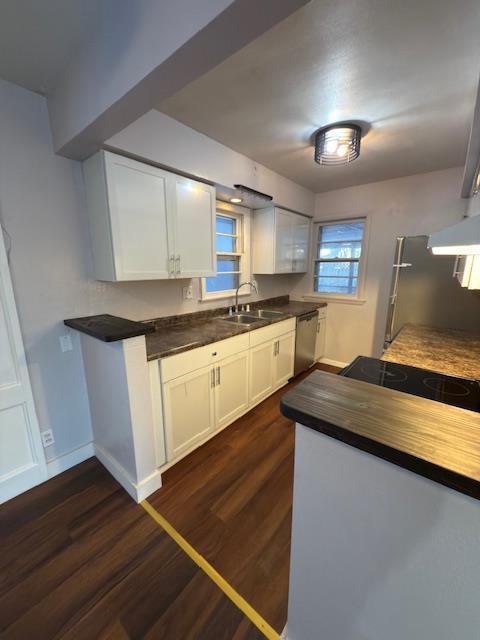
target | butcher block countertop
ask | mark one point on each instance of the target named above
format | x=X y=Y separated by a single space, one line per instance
x=455 y=353
x=437 y=441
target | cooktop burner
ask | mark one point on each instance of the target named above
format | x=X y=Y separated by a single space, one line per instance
x=458 y=392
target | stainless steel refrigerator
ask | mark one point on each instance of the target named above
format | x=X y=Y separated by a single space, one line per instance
x=425 y=291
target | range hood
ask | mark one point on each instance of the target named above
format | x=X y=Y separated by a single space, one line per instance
x=461 y=239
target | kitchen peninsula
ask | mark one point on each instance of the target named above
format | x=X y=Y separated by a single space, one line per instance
x=386 y=514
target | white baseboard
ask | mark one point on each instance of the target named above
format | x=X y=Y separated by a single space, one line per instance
x=137 y=490
x=70 y=459
x=333 y=363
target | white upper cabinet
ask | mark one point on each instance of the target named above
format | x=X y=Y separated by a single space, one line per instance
x=280 y=241
x=193 y=221
x=467 y=271
x=147 y=223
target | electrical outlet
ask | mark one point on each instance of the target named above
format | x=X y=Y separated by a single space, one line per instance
x=47 y=438
x=188 y=292
x=66 y=343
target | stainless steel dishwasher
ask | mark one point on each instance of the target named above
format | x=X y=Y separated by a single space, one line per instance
x=305 y=341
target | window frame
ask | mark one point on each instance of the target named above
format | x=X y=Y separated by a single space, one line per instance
x=243 y=250
x=358 y=296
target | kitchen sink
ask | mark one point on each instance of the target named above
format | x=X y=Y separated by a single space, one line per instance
x=241 y=318
x=266 y=314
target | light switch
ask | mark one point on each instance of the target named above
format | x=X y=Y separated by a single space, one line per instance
x=66 y=343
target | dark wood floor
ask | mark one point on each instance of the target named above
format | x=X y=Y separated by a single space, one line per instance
x=81 y=560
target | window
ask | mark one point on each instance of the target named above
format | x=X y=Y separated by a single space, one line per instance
x=337 y=265
x=231 y=262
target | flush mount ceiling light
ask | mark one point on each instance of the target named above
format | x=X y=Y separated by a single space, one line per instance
x=337 y=144
x=236 y=200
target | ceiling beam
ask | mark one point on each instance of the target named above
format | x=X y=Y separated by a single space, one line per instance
x=144 y=52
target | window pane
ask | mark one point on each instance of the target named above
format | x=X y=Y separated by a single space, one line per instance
x=343 y=231
x=340 y=250
x=224 y=282
x=335 y=285
x=339 y=269
x=227 y=264
x=226 y=225
x=227 y=244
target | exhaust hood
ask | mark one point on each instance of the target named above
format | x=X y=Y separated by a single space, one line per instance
x=461 y=239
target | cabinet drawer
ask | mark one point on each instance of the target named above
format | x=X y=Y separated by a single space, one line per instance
x=272 y=331
x=182 y=363
x=228 y=347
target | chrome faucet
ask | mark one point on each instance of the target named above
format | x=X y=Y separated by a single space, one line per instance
x=243 y=284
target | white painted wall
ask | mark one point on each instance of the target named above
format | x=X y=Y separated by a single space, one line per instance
x=42 y=207
x=413 y=205
x=162 y=139
x=378 y=552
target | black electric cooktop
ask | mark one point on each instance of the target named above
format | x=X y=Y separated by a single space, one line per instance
x=458 y=392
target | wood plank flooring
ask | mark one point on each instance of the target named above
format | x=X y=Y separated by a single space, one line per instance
x=232 y=500
x=81 y=560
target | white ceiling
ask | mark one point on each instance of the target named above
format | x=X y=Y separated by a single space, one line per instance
x=38 y=38
x=409 y=68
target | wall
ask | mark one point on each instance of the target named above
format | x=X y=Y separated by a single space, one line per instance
x=414 y=205
x=42 y=208
x=168 y=142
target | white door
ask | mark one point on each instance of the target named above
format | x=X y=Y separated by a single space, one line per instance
x=193 y=213
x=261 y=372
x=189 y=410
x=301 y=233
x=22 y=459
x=231 y=389
x=138 y=209
x=283 y=241
x=320 y=341
x=283 y=360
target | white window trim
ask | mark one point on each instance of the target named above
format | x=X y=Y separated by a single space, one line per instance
x=244 y=216
x=353 y=298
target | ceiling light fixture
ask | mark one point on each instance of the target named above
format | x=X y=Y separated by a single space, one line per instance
x=337 y=144
x=236 y=200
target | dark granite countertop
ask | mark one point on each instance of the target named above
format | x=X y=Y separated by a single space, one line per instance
x=456 y=353
x=176 y=334
x=437 y=441
x=109 y=328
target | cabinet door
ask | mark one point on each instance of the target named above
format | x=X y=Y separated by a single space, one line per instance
x=188 y=410
x=283 y=241
x=301 y=233
x=261 y=372
x=231 y=389
x=193 y=221
x=320 y=341
x=137 y=196
x=283 y=359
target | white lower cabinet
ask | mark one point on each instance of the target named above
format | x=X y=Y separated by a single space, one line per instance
x=261 y=372
x=189 y=412
x=239 y=375
x=231 y=389
x=283 y=360
x=320 y=340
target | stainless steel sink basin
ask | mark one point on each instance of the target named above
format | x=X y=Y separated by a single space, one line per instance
x=266 y=314
x=240 y=318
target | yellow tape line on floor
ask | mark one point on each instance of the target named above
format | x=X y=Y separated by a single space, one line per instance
x=268 y=631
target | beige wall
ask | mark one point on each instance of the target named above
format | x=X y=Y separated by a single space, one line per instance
x=414 y=205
